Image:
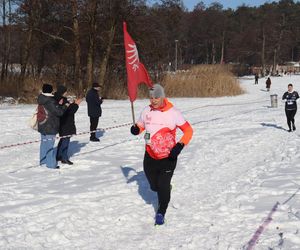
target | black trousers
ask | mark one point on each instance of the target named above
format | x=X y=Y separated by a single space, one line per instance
x=159 y=174
x=93 y=126
x=290 y=114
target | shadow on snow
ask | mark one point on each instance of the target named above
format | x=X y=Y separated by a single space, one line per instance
x=131 y=175
x=271 y=125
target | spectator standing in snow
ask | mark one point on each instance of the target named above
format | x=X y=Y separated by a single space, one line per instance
x=49 y=127
x=67 y=126
x=268 y=84
x=290 y=97
x=256 y=78
x=94 y=109
x=160 y=120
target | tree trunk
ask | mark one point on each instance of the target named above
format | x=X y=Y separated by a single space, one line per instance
x=274 y=61
x=213 y=53
x=103 y=66
x=77 y=70
x=222 y=49
x=90 y=57
x=41 y=60
x=33 y=19
x=277 y=48
x=207 y=52
x=263 y=52
x=8 y=39
x=4 y=58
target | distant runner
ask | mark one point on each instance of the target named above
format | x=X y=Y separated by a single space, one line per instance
x=290 y=97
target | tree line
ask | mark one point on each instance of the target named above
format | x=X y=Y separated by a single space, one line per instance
x=77 y=42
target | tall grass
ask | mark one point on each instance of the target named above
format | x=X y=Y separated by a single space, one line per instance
x=198 y=81
x=26 y=93
x=202 y=81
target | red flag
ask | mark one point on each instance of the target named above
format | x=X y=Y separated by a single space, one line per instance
x=136 y=71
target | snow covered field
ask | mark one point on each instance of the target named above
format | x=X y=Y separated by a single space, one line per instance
x=239 y=164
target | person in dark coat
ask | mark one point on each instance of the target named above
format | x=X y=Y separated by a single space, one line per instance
x=94 y=109
x=49 y=127
x=67 y=126
x=290 y=97
x=268 y=84
x=256 y=79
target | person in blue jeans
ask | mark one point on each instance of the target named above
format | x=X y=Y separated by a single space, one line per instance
x=47 y=152
x=49 y=127
x=67 y=126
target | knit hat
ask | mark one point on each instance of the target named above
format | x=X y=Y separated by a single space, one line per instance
x=157 y=91
x=61 y=89
x=47 y=88
x=95 y=85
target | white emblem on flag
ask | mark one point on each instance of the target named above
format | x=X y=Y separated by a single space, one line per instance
x=133 y=58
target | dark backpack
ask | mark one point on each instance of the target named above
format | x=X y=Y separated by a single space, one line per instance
x=42 y=114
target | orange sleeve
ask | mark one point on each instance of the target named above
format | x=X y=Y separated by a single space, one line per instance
x=141 y=128
x=187 y=130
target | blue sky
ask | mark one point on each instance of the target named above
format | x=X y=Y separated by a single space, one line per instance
x=226 y=3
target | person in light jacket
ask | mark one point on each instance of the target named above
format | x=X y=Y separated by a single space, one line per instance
x=160 y=120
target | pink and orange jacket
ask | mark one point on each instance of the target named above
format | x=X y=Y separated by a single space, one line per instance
x=160 y=125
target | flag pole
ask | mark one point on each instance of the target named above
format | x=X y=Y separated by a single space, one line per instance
x=132 y=112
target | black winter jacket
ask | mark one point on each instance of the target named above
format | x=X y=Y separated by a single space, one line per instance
x=291 y=100
x=67 y=121
x=51 y=126
x=93 y=103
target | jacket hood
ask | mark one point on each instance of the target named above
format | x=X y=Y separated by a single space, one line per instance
x=61 y=89
x=44 y=98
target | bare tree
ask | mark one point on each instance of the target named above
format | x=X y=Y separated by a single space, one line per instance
x=113 y=9
x=77 y=70
x=92 y=13
x=6 y=37
x=32 y=9
x=263 y=49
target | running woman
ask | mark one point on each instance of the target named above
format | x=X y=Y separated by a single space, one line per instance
x=160 y=120
x=290 y=97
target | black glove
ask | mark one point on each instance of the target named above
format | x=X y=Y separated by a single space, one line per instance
x=175 y=151
x=135 y=130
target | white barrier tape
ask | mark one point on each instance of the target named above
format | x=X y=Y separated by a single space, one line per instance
x=59 y=137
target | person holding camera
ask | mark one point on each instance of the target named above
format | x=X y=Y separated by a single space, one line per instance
x=160 y=120
x=67 y=126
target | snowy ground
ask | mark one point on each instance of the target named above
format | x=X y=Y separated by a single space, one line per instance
x=239 y=164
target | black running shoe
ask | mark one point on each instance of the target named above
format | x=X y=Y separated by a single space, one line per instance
x=66 y=162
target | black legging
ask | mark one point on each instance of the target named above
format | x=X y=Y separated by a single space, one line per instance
x=290 y=114
x=93 y=125
x=159 y=174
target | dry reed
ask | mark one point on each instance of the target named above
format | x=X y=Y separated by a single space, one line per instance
x=199 y=81
x=202 y=81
